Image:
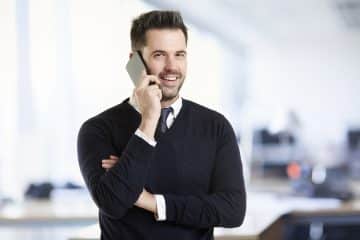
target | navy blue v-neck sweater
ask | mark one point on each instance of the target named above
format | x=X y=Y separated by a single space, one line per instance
x=196 y=165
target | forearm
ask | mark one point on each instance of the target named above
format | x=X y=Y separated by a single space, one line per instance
x=224 y=209
x=116 y=190
x=148 y=127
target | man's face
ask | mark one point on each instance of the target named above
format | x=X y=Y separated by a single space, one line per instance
x=165 y=55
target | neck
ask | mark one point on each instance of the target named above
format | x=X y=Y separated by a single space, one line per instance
x=167 y=103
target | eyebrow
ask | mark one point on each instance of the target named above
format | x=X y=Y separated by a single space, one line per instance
x=164 y=52
x=181 y=51
x=157 y=51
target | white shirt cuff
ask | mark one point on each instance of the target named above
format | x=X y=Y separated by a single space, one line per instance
x=142 y=135
x=160 y=207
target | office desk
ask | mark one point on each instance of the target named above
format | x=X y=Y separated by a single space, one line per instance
x=57 y=219
x=66 y=210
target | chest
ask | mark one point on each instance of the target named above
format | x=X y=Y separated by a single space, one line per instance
x=182 y=165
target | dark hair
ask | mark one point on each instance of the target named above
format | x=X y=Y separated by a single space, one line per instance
x=154 y=20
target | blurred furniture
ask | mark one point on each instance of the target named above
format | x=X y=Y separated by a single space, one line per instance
x=272 y=152
x=318 y=181
x=353 y=152
x=47 y=212
x=274 y=214
x=57 y=218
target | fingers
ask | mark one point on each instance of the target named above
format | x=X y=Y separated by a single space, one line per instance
x=159 y=94
x=153 y=89
x=154 y=79
x=109 y=163
x=148 y=97
x=157 y=91
x=144 y=81
x=147 y=79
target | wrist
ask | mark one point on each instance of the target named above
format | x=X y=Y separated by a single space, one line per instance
x=151 y=203
x=147 y=201
x=148 y=127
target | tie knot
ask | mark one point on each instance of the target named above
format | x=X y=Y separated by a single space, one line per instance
x=166 y=111
x=164 y=114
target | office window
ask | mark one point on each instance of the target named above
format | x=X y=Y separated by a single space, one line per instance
x=64 y=62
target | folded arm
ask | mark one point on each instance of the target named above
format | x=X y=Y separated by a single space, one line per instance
x=116 y=190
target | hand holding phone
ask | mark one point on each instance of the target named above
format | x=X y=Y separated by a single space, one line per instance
x=144 y=91
x=147 y=97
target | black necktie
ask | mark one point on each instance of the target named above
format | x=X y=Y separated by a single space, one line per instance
x=162 y=126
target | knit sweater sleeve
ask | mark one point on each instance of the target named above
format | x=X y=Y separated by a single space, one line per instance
x=116 y=190
x=226 y=203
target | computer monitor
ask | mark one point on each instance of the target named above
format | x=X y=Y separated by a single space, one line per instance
x=272 y=152
x=353 y=152
x=353 y=139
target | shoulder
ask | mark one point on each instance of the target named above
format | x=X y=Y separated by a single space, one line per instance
x=203 y=113
x=124 y=108
x=122 y=112
x=207 y=117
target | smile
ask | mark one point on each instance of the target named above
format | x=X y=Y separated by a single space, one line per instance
x=169 y=77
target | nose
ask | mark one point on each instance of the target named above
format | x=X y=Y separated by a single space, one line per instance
x=170 y=63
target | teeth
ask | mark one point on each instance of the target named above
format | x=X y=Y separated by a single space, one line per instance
x=170 y=78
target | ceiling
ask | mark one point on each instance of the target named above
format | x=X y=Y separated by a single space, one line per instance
x=276 y=21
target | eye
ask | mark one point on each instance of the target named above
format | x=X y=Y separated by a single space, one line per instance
x=158 y=54
x=181 y=54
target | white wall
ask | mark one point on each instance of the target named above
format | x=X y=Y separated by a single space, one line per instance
x=8 y=84
x=319 y=80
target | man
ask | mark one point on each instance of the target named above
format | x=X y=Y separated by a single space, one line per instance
x=159 y=166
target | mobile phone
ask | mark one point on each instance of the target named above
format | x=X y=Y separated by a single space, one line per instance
x=135 y=66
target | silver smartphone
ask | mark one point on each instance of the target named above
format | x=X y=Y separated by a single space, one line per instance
x=135 y=66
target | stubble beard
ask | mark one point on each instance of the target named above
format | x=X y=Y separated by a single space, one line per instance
x=170 y=96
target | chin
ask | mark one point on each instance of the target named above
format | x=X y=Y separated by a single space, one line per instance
x=168 y=97
x=169 y=94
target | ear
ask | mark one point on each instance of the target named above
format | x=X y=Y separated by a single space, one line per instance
x=130 y=54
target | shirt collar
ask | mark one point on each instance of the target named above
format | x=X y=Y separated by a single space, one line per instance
x=177 y=106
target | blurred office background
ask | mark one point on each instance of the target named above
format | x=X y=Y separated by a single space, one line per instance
x=285 y=73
